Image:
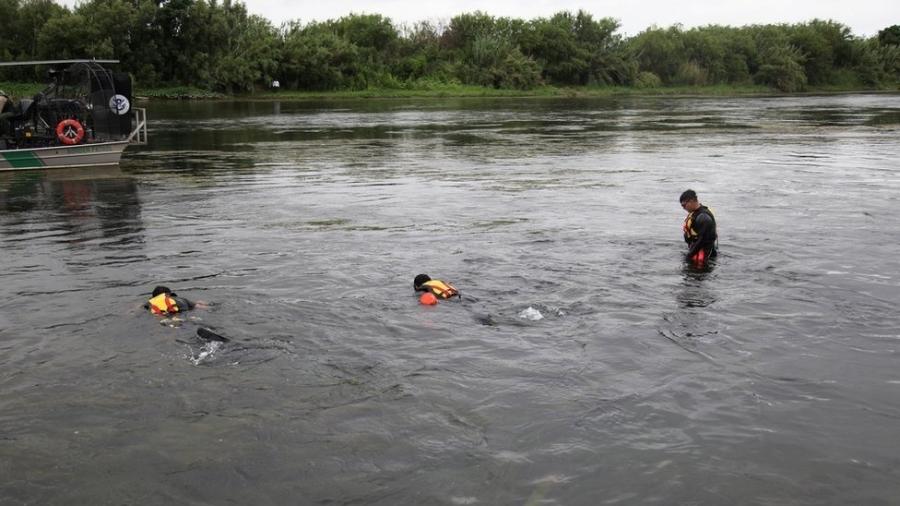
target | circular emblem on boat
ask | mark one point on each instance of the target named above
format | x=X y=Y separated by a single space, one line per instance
x=119 y=104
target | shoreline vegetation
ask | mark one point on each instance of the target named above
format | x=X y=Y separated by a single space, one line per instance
x=464 y=91
x=207 y=49
x=485 y=92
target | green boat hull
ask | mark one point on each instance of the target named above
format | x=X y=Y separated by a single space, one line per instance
x=82 y=155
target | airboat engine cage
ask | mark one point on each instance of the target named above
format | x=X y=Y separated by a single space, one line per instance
x=84 y=116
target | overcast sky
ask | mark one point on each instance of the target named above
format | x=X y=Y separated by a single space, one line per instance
x=864 y=17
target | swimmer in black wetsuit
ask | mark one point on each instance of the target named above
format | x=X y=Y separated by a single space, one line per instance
x=699 y=229
x=164 y=301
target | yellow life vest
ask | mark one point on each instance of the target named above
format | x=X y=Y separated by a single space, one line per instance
x=689 y=233
x=441 y=289
x=163 y=304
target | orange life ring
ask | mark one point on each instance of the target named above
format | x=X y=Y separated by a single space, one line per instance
x=69 y=131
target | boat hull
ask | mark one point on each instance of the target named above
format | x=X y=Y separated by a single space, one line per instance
x=81 y=155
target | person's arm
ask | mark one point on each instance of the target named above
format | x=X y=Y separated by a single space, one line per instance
x=703 y=224
x=183 y=304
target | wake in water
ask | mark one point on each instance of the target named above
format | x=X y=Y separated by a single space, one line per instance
x=537 y=312
x=205 y=353
x=212 y=343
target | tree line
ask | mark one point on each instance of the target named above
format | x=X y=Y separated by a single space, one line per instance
x=219 y=46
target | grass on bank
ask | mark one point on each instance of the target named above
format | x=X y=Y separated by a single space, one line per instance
x=23 y=90
x=480 y=91
x=19 y=90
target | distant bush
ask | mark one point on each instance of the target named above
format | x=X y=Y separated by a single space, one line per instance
x=647 y=80
x=692 y=74
x=782 y=68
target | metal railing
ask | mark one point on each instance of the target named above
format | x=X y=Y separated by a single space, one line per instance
x=139 y=134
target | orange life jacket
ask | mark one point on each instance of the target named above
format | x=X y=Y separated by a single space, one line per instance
x=163 y=304
x=441 y=289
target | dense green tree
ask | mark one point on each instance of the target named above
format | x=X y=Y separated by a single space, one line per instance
x=21 y=22
x=660 y=51
x=890 y=36
x=176 y=48
x=824 y=45
x=217 y=45
x=71 y=36
x=250 y=56
x=781 y=66
x=112 y=21
x=465 y=29
x=740 y=54
x=496 y=63
x=575 y=49
x=316 y=58
x=371 y=32
x=420 y=56
x=377 y=44
x=486 y=51
x=147 y=59
x=552 y=43
x=9 y=21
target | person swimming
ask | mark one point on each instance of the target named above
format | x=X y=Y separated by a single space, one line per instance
x=434 y=289
x=164 y=301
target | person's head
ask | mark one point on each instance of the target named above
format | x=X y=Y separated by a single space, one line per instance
x=420 y=280
x=162 y=289
x=689 y=201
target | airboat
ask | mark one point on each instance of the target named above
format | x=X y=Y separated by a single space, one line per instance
x=83 y=118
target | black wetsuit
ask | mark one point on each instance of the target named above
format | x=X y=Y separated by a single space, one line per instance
x=183 y=304
x=703 y=223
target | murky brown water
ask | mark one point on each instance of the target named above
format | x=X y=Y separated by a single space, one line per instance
x=772 y=379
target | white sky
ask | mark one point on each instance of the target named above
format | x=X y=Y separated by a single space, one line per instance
x=864 y=17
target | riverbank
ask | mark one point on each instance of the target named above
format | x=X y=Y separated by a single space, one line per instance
x=462 y=91
x=467 y=91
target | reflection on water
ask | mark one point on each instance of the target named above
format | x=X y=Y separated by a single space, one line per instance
x=585 y=363
x=101 y=193
x=695 y=292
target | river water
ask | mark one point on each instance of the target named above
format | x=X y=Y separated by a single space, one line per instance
x=584 y=365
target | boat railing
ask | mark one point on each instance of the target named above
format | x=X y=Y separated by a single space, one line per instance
x=139 y=134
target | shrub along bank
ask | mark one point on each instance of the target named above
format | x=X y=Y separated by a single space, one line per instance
x=197 y=47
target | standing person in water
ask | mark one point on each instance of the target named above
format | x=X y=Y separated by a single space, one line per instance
x=699 y=229
x=434 y=289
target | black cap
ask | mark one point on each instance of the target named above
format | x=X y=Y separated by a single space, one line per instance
x=161 y=289
x=420 y=280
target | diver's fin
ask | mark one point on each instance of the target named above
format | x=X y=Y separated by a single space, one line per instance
x=209 y=335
